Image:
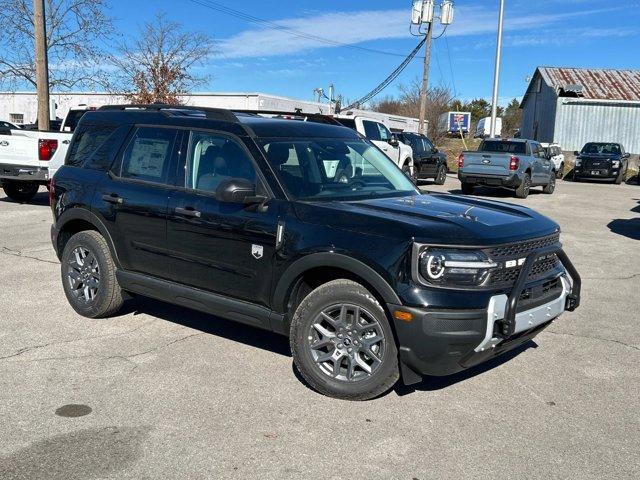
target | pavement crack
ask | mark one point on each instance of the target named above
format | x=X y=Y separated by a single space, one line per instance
x=18 y=253
x=609 y=340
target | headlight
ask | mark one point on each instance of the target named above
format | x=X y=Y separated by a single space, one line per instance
x=451 y=268
x=615 y=164
x=578 y=162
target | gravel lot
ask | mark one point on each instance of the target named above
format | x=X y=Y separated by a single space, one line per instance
x=178 y=394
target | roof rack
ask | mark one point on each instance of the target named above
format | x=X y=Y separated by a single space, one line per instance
x=209 y=113
x=307 y=117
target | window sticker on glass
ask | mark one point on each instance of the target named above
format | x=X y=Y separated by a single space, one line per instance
x=147 y=157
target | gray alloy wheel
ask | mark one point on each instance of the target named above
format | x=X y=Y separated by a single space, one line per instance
x=83 y=274
x=346 y=342
x=525 y=187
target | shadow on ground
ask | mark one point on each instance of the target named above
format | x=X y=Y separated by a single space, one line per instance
x=210 y=324
x=629 y=228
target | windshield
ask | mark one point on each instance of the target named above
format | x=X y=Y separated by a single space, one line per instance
x=335 y=169
x=498 y=146
x=602 y=148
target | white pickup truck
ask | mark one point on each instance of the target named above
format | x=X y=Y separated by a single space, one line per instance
x=30 y=158
x=382 y=138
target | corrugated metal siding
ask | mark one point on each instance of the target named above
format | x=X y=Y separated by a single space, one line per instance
x=539 y=112
x=600 y=84
x=581 y=121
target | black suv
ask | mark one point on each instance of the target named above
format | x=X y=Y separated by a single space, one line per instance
x=304 y=229
x=428 y=161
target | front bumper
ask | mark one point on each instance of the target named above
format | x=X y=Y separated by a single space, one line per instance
x=509 y=181
x=443 y=342
x=596 y=172
x=24 y=172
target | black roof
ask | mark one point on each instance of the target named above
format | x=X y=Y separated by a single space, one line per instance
x=239 y=123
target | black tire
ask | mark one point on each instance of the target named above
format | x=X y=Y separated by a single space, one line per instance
x=619 y=178
x=364 y=385
x=467 y=188
x=441 y=176
x=550 y=187
x=406 y=169
x=107 y=298
x=560 y=172
x=20 y=191
x=525 y=186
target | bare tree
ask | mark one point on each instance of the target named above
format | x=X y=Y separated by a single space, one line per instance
x=408 y=104
x=75 y=28
x=158 y=65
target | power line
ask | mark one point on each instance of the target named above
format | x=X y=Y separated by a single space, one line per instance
x=390 y=78
x=218 y=7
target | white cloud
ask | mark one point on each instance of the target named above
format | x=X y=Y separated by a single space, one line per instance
x=361 y=26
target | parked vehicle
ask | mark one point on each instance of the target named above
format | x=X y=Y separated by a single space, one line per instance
x=428 y=161
x=555 y=154
x=29 y=159
x=601 y=161
x=4 y=126
x=381 y=136
x=483 y=128
x=452 y=123
x=514 y=164
x=274 y=223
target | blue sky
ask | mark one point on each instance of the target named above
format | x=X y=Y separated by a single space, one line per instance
x=579 y=33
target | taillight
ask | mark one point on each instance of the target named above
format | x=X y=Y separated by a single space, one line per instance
x=52 y=191
x=514 y=163
x=461 y=160
x=46 y=149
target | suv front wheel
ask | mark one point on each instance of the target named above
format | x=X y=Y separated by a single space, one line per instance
x=89 y=276
x=342 y=343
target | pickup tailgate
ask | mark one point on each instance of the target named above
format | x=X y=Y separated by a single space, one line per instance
x=16 y=149
x=486 y=163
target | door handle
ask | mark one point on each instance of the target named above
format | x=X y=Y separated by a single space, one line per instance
x=113 y=198
x=4 y=144
x=188 y=212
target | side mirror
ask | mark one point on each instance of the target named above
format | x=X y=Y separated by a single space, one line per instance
x=626 y=155
x=576 y=153
x=393 y=141
x=238 y=190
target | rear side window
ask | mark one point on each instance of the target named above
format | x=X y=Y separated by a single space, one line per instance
x=86 y=143
x=371 y=130
x=148 y=154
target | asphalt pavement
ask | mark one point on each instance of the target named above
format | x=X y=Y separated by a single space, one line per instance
x=165 y=392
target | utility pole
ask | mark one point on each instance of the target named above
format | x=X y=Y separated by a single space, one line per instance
x=42 y=64
x=425 y=80
x=423 y=12
x=496 y=78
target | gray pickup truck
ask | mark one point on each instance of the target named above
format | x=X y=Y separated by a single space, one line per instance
x=513 y=164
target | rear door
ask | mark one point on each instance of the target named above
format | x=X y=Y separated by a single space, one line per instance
x=133 y=198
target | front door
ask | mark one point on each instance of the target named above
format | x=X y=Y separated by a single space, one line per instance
x=380 y=136
x=224 y=248
x=132 y=200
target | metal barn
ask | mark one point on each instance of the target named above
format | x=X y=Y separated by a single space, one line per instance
x=573 y=106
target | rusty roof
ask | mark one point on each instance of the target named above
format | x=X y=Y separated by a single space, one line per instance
x=597 y=84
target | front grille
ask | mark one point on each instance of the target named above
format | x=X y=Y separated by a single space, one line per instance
x=519 y=250
x=545 y=266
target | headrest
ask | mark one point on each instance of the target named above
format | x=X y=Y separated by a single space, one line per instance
x=279 y=153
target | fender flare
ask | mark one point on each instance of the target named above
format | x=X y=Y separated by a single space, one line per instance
x=82 y=214
x=328 y=259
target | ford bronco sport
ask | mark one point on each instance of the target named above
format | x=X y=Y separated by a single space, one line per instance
x=307 y=230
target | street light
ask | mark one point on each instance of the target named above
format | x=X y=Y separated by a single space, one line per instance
x=424 y=13
x=496 y=77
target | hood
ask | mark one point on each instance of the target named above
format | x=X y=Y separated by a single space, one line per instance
x=600 y=156
x=439 y=218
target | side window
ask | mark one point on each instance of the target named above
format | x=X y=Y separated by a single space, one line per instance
x=148 y=154
x=88 y=141
x=385 y=134
x=371 y=130
x=428 y=145
x=212 y=159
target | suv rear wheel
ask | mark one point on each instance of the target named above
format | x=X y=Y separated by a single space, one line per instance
x=20 y=191
x=342 y=343
x=441 y=176
x=89 y=276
